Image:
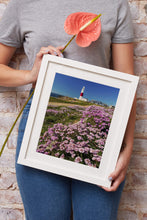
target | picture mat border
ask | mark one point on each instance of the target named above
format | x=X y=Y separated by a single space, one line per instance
x=50 y=66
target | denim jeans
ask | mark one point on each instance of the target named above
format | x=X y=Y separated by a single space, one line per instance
x=48 y=196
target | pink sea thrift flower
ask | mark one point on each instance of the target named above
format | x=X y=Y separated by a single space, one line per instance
x=81 y=150
x=87 y=161
x=57 y=154
x=62 y=156
x=78 y=159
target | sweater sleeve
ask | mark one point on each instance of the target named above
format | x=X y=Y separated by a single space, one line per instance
x=124 y=27
x=10 y=33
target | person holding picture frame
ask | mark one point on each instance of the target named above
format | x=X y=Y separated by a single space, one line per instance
x=34 y=25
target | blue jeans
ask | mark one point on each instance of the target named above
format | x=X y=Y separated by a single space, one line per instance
x=47 y=196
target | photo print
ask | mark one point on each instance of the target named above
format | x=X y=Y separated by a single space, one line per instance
x=77 y=120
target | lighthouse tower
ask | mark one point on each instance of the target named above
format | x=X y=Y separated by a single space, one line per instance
x=82 y=92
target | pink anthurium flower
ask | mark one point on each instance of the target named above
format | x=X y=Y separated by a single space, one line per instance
x=87 y=27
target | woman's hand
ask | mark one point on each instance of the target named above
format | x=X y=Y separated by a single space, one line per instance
x=33 y=74
x=120 y=171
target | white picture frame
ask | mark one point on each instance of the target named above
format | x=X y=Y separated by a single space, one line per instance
x=125 y=83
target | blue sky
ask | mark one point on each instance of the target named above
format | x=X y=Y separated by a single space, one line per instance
x=71 y=87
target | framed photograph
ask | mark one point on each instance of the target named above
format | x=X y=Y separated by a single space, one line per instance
x=77 y=119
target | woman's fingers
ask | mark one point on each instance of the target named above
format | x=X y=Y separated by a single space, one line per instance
x=60 y=48
x=44 y=50
x=119 y=168
x=115 y=183
x=56 y=51
x=118 y=175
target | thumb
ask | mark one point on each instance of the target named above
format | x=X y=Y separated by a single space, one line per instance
x=116 y=172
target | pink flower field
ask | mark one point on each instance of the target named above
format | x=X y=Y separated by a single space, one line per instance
x=75 y=133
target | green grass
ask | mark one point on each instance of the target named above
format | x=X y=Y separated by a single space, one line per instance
x=65 y=118
x=68 y=101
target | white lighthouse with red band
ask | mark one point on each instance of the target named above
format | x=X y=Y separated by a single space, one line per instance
x=82 y=94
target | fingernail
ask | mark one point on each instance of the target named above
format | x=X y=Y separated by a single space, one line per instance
x=55 y=53
x=61 y=55
x=110 y=178
x=46 y=51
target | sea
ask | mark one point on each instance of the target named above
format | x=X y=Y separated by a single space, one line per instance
x=56 y=95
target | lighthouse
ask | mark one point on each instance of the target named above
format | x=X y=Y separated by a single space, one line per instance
x=81 y=95
x=82 y=92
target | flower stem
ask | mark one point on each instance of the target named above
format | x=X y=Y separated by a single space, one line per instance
x=15 y=123
x=68 y=43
